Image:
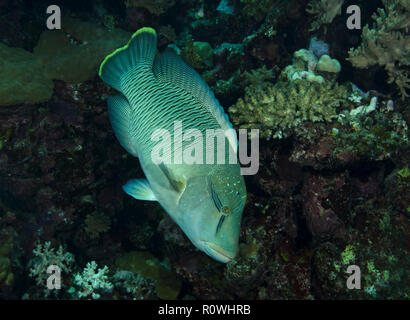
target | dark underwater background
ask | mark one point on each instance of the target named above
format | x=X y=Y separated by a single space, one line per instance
x=333 y=184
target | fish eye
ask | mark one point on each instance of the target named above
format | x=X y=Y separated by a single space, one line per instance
x=225 y=210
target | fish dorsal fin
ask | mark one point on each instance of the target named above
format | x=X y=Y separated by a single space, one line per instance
x=140 y=49
x=119 y=112
x=140 y=189
x=171 y=69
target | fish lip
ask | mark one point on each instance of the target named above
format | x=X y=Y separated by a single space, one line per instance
x=217 y=252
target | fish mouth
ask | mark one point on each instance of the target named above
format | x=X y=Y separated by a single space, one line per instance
x=218 y=253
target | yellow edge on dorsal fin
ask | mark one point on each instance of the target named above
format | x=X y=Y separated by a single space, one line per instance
x=136 y=33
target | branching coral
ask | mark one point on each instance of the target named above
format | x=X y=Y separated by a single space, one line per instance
x=301 y=94
x=256 y=76
x=277 y=109
x=324 y=11
x=44 y=256
x=139 y=287
x=92 y=281
x=156 y=7
x=387 y=44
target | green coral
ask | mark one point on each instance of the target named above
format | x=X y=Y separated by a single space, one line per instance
x=277 y=109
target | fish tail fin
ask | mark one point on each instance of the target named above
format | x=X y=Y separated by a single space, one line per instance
x=140 y=49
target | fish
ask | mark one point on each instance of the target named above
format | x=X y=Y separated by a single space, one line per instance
x=157 y=90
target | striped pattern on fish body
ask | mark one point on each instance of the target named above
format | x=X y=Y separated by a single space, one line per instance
x=158 y=105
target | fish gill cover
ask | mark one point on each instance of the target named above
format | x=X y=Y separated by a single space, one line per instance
x=328 y=92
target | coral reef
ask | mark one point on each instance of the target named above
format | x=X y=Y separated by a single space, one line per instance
x=324 y=12
x=307 y=65
x=44 y=256
x=333 y=180
x=387 y=44
x=92 y=281
x=277 y=109
x=306 y=91
x=376 y=137
x=138 y=287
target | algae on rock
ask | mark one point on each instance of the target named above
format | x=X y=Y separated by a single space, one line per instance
x=71 y=54
x=76 y=58
x=23 y=78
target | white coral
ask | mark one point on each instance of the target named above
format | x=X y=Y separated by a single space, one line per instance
x=44 y=256
x=91 y=280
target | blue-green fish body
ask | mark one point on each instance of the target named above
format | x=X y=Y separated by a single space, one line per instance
x=159 y=90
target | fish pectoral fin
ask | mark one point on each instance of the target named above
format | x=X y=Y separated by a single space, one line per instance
x=176 y=185
x=140 y=189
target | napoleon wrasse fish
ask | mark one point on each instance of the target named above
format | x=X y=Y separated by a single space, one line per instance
x=157 y=90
